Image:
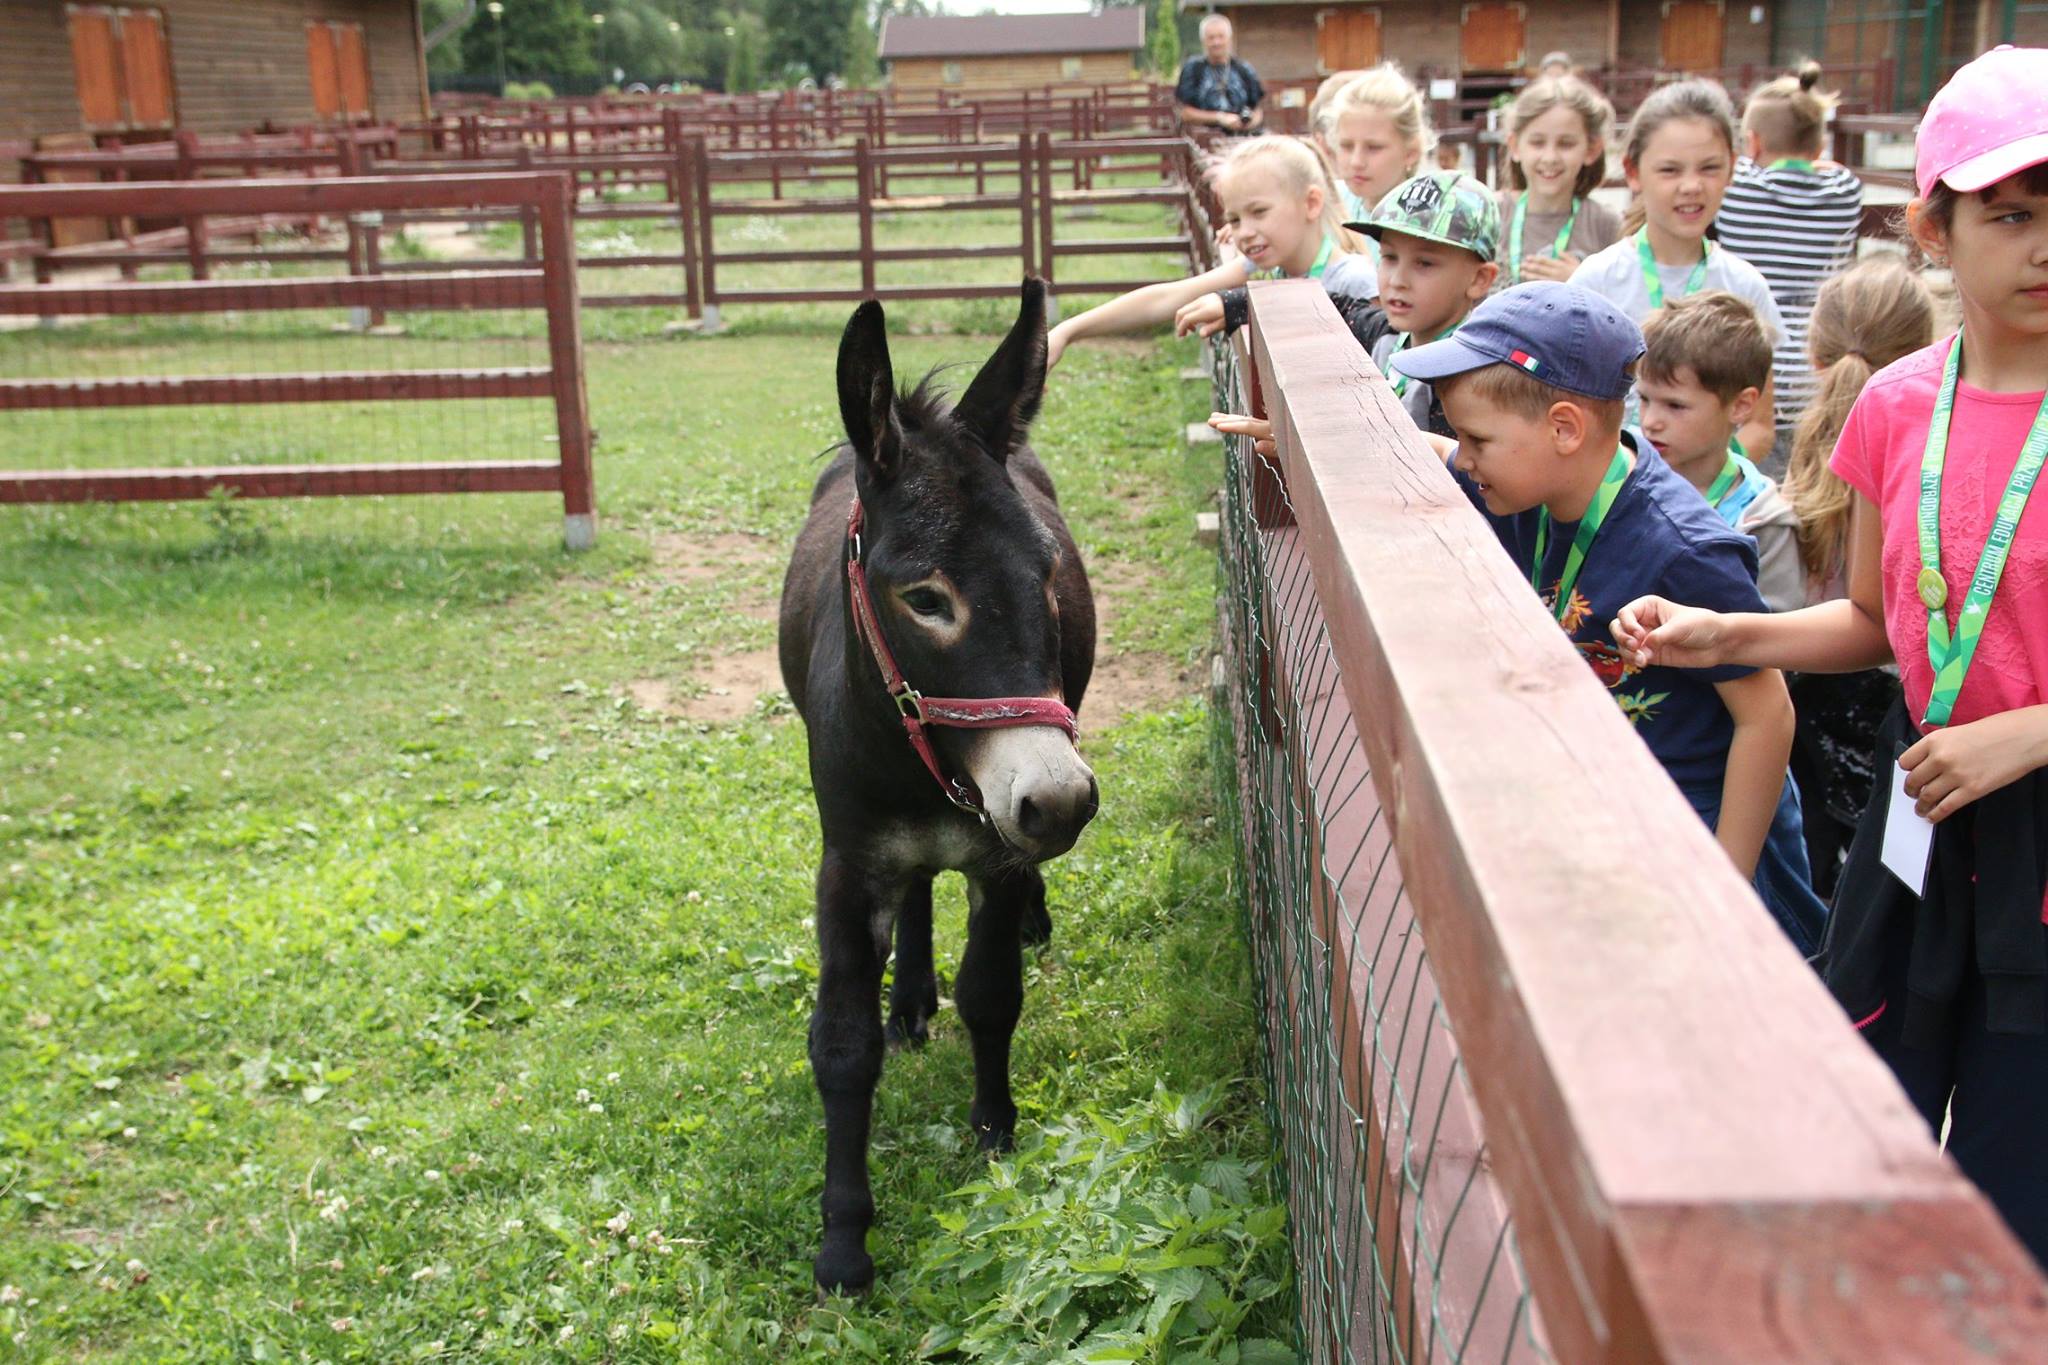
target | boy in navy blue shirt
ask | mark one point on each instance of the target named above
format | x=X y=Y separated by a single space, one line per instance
x=1534 y=383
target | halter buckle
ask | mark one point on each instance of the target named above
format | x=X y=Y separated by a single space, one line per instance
x=910 y=704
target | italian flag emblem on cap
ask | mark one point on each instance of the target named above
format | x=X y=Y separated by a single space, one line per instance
x=1525 y=360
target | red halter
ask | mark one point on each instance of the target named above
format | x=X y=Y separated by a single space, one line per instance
x=919 y=711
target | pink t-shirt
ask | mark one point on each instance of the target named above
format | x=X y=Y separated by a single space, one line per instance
x=1879 y=456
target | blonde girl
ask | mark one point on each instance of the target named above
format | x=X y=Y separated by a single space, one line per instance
x=1376 y=130
x=1557 y=156
x=1679 y=160
x=1941 y=964
x=1281 y=207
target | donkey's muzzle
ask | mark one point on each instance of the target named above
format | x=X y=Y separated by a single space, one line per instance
x=1037 y=791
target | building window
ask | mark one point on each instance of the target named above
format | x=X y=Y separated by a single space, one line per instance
x=1070 y=68
x=339 y=65
x=950 y=73
x=122 y=62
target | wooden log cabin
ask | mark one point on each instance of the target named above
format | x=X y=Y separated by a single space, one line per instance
x=133 y=72
x=1012 y=51
x=1886 y=54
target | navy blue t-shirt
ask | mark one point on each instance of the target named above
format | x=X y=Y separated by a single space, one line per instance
x=1660 y=537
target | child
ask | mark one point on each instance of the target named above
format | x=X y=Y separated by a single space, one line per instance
x=1278 y=198
x=1708 y=359
x=1680 y=155
x=1534 y=383
x=1557 y=157
x=1375 y=129
x=1438 y=234
x=1948 y=573
x=1794 y=220
x=1865 y=318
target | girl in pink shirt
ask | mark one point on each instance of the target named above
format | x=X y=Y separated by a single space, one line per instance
x=1948 y=573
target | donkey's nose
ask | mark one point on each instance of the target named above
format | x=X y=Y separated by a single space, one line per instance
x=1052 y=815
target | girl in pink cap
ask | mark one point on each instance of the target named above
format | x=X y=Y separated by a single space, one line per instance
x=1944 y=964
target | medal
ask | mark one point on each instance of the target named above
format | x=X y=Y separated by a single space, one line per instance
x=1933 y=589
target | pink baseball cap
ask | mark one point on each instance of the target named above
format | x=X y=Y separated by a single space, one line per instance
x=1989 y=122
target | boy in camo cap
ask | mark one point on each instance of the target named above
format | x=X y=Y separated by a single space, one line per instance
x=1437 y=234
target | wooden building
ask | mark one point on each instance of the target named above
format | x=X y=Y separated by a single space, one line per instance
x=1899 y=50
x=119 y=72
x=1012 y=51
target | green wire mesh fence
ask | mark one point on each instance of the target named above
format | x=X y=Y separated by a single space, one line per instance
x=1403 y=1245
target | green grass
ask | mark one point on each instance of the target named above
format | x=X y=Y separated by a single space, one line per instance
x=383 y=978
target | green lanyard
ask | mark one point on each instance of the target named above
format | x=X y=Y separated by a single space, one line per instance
x=1951 y=656
x=1730 y=472
x=1655 y=283
x=1589 y=526
x=1398 y=380
x=1791 y=163
x=1515 y=235
x=1315 y=272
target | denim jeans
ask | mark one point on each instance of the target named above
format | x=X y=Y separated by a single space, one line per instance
x=1783 y=880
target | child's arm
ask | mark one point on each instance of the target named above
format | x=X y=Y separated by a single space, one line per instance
x=1755 y=776
x=1150 y=306
x=1760 y=432
x=1834 y=637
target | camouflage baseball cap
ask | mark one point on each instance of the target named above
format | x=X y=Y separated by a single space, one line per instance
x=1442 y=206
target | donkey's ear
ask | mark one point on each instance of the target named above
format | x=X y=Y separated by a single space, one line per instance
x=999 y=405
x=867 y=392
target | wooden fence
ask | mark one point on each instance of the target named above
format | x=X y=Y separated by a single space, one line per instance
x=548 y=284
x=1567 y=1101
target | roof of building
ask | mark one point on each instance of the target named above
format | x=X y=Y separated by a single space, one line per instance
x=1011 y=35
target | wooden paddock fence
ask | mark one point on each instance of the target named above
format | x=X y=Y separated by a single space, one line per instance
x=1540 y=1094
x=547 y=284
x=696 y=189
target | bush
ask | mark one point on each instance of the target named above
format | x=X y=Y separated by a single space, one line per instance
x=528 y=90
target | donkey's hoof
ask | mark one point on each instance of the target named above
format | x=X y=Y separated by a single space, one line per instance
x=907 y=1029
x=1034 y=928
x=850 y=1273
x=994 y=1132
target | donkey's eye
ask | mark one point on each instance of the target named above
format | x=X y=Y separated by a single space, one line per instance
x=926 y=602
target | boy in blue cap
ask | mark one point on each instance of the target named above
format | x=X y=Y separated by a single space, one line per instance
x=1534 y=383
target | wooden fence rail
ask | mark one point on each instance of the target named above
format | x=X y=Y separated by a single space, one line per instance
x=1702 y=1160
x=549 y=285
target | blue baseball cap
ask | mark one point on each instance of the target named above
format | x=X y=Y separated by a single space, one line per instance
x=1567 y=337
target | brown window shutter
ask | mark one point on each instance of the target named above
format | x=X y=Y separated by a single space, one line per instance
x=146 y=69
x=354 y=63
x=322 y=66
x=96 y=62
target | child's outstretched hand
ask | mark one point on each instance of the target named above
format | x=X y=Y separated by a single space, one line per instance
x=1651 y=630
x=1204 y=315
x=1258 y=428
x=1056 y=344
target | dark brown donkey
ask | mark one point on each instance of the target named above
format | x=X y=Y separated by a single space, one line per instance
x=936 y=630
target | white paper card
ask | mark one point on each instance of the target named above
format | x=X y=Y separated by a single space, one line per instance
x=1908 y=837
x=1441 y=89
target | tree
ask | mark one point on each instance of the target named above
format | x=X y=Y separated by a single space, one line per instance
x=550 y=38
x=808 y=32
x=742 y=62
x=1164 y=46
x=863 y=68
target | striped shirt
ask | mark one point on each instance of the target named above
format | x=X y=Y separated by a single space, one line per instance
x=1797 y=225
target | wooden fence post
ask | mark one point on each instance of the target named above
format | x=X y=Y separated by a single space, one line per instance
x=195 y=226
x=864 y=190
x=707 y=250
x=685 y=176
x=565 y=362
x=1045 y=247
x=1027 y=228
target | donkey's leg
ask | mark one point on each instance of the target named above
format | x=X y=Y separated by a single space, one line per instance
x=990 y=994
x=915 y=997
x=846 y=1062
x=1035 y=929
